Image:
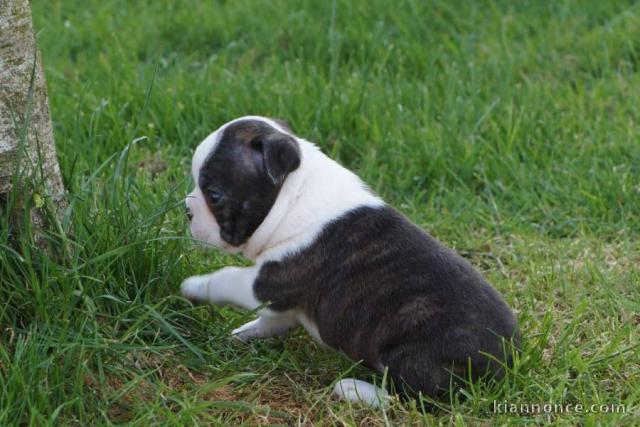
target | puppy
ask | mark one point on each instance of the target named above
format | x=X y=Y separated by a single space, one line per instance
x=331 y=256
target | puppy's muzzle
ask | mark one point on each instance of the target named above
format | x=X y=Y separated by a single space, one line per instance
x=233 y=239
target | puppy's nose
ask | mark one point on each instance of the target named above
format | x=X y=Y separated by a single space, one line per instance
x=232 y=238
x=189 y=214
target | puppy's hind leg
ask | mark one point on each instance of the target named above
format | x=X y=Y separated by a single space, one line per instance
x=358 y=391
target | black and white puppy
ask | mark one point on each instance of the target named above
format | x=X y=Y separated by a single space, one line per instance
x=331 y=256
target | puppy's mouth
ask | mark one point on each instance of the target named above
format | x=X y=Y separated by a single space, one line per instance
x=229 y=248
x=234 y=240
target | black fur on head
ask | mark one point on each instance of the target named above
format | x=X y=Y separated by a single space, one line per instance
x=243 y=175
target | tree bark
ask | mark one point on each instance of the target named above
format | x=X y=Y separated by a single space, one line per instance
x=26 y=133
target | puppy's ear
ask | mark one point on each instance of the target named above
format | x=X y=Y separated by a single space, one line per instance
x=283 y=124
x=281 y=156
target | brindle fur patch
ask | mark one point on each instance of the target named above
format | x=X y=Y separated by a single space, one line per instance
x=385 y=292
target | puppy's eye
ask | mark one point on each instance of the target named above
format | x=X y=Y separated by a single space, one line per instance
x=215 y=196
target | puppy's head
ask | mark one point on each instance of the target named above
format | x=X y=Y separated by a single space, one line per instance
x=239 y=171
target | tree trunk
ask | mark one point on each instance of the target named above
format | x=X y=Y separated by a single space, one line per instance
x=26 y=133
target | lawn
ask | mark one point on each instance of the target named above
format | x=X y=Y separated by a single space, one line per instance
x=509 y=130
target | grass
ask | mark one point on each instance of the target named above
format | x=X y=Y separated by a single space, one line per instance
x=510 y=130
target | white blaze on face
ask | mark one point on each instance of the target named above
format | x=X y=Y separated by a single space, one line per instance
x=202 y=152
x=204 y=226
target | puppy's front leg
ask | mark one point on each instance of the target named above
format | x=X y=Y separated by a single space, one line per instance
x=269 y=324
x=230 y=285
x=234 y=285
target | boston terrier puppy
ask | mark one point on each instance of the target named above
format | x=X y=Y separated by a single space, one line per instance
x=331 y=256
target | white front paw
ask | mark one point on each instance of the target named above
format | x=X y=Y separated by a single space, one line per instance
x=265 y=326
x=195 y=288
x=248 y=331
x=230 y=285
